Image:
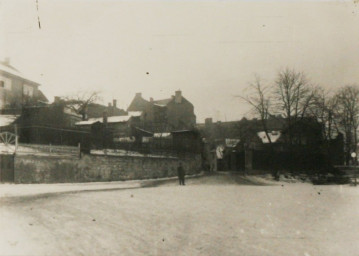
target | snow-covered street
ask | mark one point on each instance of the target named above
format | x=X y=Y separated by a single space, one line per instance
x=211 y=215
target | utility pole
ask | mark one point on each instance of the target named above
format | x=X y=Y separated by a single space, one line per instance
x=354 y=156
x=355 y=171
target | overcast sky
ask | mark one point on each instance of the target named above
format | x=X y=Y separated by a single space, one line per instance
x=208 y=49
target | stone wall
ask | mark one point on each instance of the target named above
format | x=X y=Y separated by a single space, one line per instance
x=90 y=168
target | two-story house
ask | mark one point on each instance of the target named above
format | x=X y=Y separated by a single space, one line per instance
x=16 y=90
x=170 y=114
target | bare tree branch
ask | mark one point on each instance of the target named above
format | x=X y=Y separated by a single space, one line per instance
x=260 y=101
x=80 y=101
x=347 y=112
x=293 y=96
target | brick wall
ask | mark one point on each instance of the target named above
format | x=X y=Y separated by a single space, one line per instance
x=51 y=169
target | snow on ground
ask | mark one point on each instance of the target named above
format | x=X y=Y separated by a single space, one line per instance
x=23 y=150
x=7 y=148
x=122 y=152
x=18 y=190
x=211 y=215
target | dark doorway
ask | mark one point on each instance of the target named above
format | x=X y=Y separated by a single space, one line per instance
x=7 y=168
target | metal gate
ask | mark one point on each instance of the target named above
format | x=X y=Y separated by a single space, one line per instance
x=7 y=168
x=8 y=144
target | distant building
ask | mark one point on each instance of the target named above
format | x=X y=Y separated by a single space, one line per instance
x=92 y=110
x=95 y=110
x=245 y=144
x=251 y=134
x=107 y=130
x=16 y=90
x=170 y=114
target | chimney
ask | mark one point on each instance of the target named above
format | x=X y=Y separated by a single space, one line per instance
x=178 y=96
x=208 y=121
x=57 y=99
x=109 y=104
x=138 y=94
x=151 y=100
x=114 y=103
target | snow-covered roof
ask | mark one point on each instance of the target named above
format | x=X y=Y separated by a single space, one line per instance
x=142 y=130
x=9 y=69
x=163 y=102
x=70 y=111
x=110 y=119
x=118 y=119
x=180 y=131
x=6 y=120
x=124 y=139
x=160 y=105
x=274 y=136
x=232 y=142
x=89 y=122
x=134 y=113
x=13 y=71
x=162 y=134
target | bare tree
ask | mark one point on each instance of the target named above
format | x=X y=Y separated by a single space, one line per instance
x=347 y=111
x=80 y=101
x=323 y=109
x=260 y=100
x=293 y=96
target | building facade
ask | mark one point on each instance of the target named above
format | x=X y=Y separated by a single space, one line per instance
x=16 y=90
x=170 y=114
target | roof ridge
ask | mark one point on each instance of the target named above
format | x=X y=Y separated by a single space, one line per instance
x=9 y=66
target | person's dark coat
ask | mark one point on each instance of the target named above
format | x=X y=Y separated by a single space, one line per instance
x=181 y=174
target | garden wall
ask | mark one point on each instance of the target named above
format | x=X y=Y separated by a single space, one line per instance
x=90 y=168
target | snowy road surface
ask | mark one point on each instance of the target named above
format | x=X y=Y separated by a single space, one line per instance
x=209 y=216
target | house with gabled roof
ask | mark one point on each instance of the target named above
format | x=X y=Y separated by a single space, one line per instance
x=16 y=89
x=107 y=130
x=164 y=115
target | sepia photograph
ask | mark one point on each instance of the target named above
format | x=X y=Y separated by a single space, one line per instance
x=179 y=127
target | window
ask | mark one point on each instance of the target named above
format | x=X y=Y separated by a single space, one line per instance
x=5 y=82
x=28 y=90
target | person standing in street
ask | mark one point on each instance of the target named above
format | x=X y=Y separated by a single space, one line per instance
x=181 y=174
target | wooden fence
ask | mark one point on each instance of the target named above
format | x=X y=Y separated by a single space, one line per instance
x=54 y=150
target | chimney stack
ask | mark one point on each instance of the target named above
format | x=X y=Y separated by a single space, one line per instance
x=114 y=103
x=138 y=94
x=57 y=99
x=178 y=96
x=208 y=121
x=151 y=100
x=109 y=104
